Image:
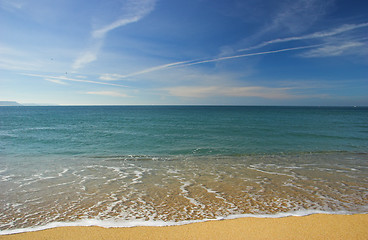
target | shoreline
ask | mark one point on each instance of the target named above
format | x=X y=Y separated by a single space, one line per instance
x=315 y=226
x=115 y=223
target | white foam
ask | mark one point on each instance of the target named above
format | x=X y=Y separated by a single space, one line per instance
x=254 y=167
x=138 y=175
x=7 y=134
x=218 y=196
x=186 y=193
x=62 y=173
x=7 y=178
x=115 y=223
x=173 y=171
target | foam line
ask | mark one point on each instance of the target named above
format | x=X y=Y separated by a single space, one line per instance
x=112 y=223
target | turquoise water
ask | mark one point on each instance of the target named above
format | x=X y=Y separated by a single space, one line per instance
x=181 y=130
x=178 y=163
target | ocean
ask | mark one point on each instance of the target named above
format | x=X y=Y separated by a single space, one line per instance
x=166 y=165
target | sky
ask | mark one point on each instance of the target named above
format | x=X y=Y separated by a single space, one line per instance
x=192 y=52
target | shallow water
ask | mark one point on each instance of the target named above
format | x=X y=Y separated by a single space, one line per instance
x=73 y=164
x=181 y=188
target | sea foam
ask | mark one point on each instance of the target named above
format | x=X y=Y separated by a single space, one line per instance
x=115 y=223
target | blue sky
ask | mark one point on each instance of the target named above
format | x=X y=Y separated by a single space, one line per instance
x=223 y=52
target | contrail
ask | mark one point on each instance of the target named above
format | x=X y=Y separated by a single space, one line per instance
x=63 y=78
x=169 y=65
x=110 y=77
x=252 y=54
x=315 y=35
x=322 y=34
x=196 y=62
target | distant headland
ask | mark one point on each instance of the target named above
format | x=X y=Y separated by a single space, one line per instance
x=10 y=103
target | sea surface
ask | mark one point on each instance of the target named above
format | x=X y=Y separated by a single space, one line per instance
x=165 y=165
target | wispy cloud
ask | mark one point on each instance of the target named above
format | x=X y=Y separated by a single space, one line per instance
x=135 y=10
x=109 y=93
x=58 y=81
x=323 y=49
x=88 y=56
x=62 y=79
x=334 y=50
x=15 y=59
x=316 y=35
x=298 y=15
x=11 y=64
x=216 y=91
x=112 y=77
x=251 y=54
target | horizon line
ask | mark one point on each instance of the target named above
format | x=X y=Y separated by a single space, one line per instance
x=170 y=105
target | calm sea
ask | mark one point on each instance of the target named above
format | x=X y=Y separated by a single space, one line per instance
x=162 y=165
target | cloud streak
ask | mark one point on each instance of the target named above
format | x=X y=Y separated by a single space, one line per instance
x=251 y=54
x=332 y=50
x=135 y=11
x=109 y=93
x=297 y=15
x=88 y=56
x=111 y=77
x=316 y=35
x=61 y=79
x=215 y=91
x=321 y=50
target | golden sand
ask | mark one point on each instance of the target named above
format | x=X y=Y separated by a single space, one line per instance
x=317 y=226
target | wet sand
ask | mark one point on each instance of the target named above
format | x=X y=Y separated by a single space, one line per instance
x=317 y=226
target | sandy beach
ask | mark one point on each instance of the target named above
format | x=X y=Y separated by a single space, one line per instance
x=317 y=226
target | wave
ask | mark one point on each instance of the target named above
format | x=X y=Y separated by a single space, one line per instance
x=116 y=223
x=215 y=157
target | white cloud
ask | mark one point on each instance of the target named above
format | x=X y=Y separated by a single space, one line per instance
x=251 y=54
x=334 y=50
x=298 y=15
x=326 y=50
x=54 y=80
x=135 y=10
x=215 y=91
x=316 y=35
x=109 y=93
x=59 y=79
x=86 y=57
x=112 y=77
x=15 y=59
x=81 y=76
x=11 y=64
x=100 y=33
x=192 y=91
